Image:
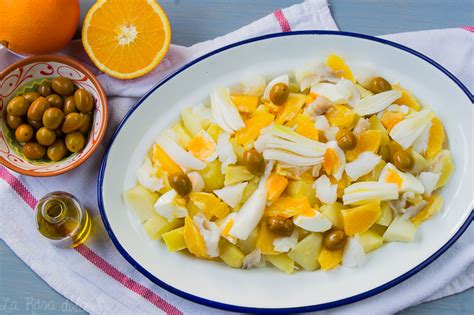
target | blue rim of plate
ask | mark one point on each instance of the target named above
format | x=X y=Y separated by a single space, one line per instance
x=309 y=308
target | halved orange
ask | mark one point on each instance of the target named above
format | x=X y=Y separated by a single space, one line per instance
x=126 y=39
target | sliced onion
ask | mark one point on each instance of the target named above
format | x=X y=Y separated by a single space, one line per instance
x=180 y=156
x=376 y=103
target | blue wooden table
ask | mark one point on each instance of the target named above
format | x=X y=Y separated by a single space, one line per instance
x=193 y=21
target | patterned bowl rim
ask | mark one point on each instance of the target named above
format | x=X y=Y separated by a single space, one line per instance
x=103 y=125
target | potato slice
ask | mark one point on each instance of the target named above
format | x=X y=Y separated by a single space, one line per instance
x=231 y=254
x=282 y=262
x=141 y=200
x=307 y=251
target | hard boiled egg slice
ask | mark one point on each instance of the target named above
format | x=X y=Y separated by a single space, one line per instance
x=405 y=181
x=203 y=147
x=281 y=79
x=146 y=176
x=429 y=180
x=171 y=206
x=409 y=129
x=253 y=85
x=363 y=164
x=316 y=222
x=231 y=194
x=197 y=181
x=285 y=244
x=334 y=160
x=331 y=92
x=322 y=123
x=364 y=192
x=354 y=254
x=225 y=225
x=325 y=191
x=210 y=233
x=225 y=151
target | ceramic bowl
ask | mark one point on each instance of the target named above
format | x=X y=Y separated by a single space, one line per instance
x=268 y=289
x=23 y=75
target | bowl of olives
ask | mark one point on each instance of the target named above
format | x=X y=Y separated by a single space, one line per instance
x=54 y=115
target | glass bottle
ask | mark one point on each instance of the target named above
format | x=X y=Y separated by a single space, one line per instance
x=62 y=219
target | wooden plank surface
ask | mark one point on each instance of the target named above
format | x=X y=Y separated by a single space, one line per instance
x=192 y=21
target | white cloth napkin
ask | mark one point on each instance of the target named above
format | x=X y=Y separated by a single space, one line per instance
x=98 y=279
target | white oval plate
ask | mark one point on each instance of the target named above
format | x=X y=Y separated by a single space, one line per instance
x=267 y=289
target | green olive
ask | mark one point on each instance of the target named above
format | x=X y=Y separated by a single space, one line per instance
x=403 y=160
x=281 y=226
x=45 y=136
x=24 y=133
x=69 y=105
x=31 y=96
x=13 y=122
x=44 y=89
x=86 y=123
x=84 y=101
x=55 y=100
x=18 y=106
x=57 y=151
x=334 y=240
x=181 y=183
x=33 y=151
x=279 y=93
x=75 y=141
x=254 y=162
x=52 y=118
x=37 y=109
x=62 y=86
x=71 y=122
x=346 y=139
x=36 y=124
x=378 y=85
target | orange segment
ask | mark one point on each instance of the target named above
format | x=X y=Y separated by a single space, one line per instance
x=407 y=98
x=368 y=141
x=288 y=207
x=209 y=204
x=390 y=119
x=276 y=184
x=435 y=202
x=305 y=127
x=245 y=103
x=290 y=108
x=340 y=116
x=193 y=239
x=253 y=125
x=336 y=63
x=329 y=259
x=361 y=218
x=436 y=138
x=166 y=163
x=265 y=240
x=126 y=39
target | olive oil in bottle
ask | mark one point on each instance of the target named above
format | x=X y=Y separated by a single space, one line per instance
x=62 y=219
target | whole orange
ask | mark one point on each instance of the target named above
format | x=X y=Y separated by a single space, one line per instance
x=38 y=26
